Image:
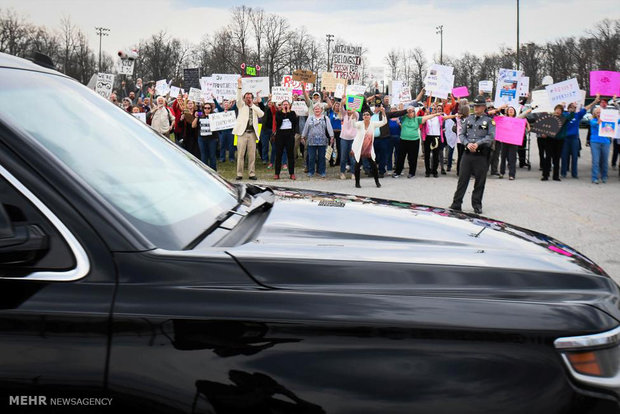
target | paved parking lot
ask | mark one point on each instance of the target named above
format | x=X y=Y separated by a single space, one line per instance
x=575 y=211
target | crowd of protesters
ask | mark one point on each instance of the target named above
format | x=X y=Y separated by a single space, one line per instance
x=376 y=139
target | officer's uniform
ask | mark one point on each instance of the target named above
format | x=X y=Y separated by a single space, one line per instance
x=474 y=130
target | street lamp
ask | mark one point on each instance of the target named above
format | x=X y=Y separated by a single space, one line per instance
x=330 y=38
x=439 y=31
x=101 y=31
x=518 y=35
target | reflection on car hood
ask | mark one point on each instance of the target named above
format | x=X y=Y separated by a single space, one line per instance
x=313 y=240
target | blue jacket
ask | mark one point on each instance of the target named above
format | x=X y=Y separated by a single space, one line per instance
x=572 y=122
x=594 y=137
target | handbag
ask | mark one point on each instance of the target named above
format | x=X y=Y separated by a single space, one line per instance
x=328 y=152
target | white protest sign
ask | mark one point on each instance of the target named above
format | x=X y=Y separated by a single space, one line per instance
x=377 y=73
x=609 y=123
x=288 y=82
x=141 y=116
x=281 y=93
x=206 y=86
x=255 y=85
x=195 y=95
x=300 y=108
x=582 y=99
x=566 y=91
x=175 y=91
x=347 y=61
x=339 y=92
x=405 y=93
x=540 y=101
x=524 y=85
x=396 y=88
x=161 y=87
x=356 y=90
x=105 y=82
x=223 y=120
x=485 y=86
x=125 y=67
x=225 y=86
x=506 y=89
x=439 y=80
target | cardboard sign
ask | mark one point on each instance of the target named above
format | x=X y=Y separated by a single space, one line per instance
x=605 y=82
x=225 y=86
x=509 y=130
x=195 y=95
x=104 y=85
x=354 y=103
x=304 y=76
x=547 y=124
x=329 y=81
x=255 y=86
x=141 y=116
x=609 y=123
x=126 y=66
x=281 y=93
x=223 y=120
x=485 y=86
x=506 y=90
x=356 y=90
x=523 y=87
x=300 y=108
x=347 y=61
x=191 y=78
x=566 y=91
x=460 y=92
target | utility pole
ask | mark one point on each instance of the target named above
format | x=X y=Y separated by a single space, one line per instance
x=518 y=47
x=101 y=31
x=440 y=33
x=330 y=39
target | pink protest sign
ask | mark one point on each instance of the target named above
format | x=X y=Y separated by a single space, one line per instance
x=605 y=82
x=460 y=92
x=509 y=130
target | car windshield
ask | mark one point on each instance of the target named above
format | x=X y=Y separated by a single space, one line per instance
x=163 y=191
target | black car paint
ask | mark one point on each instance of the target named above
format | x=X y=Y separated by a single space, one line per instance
x=274 y=325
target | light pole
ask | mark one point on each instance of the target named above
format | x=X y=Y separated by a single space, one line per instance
x=330 y=38
x=440 y=33
x=101 y=31
x=518 y=35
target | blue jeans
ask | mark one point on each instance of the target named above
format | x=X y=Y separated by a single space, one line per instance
x=393 y=147
x=345 y=155
x=227 y=143
x=208 y=151
x=381 y=152
x=600 y=159
x=315 y=151
x=570 y=149
x=272 y=160
x=265 y=136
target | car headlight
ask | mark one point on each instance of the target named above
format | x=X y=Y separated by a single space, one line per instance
x=593 y=359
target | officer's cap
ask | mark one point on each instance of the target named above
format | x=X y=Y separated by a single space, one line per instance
x=480 y=100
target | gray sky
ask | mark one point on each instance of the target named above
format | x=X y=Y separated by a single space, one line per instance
x=476 y=26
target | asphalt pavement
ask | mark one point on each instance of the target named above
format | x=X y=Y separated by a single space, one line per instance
x=575 y=211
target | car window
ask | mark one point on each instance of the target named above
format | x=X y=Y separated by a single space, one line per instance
x=163 y=191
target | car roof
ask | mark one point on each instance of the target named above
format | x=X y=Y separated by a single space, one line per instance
x=10 y=61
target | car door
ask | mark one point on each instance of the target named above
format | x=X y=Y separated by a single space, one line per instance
x=56 y=287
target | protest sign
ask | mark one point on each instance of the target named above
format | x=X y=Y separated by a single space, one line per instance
x=509 y=130
x=397 y=86
x=523 y=87
x=174 y=91
x=288 y=82
x=581 y=102
x=255 y=86
x=224 y=86
x=300 y=108
x=249 y=71
x=460 y=92
x=195 y=95
x=162 y=87
x=604 y=82
x=506 y=89
x=540 y=101
x=547 y=124
x=223 y=120
x=347 y=61
x=439 y=80
x=609 y=123
x=105 y=82
x=354 y=103
x=329 y=81
x=404 y=95
x=191 y=78
x=566 y=91
x=281 y=93
x=206 y=86
x=377 y=73
x=339 y=93
x=356 y=90
x=304 y=76
x=485 y=86
x=141 y=116
x=126 y=66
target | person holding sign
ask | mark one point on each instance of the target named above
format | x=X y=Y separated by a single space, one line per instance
x=410 y=141
x=363 y=147
x=186 y=132
x=207 y=139
x=247 y=131
x=572 y=143
x=509 y=151
x=600 y=149
x=286 y=125
x=477 y=134
x=317 y=134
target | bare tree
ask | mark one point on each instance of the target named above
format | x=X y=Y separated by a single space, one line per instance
x=258 y=19
x=277 y=36
x=241 y=17
x=393 y=60
x=15 y=34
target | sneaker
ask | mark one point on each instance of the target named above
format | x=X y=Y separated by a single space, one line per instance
x=410 y=175
x=556 y=179
x=323 y=176
x=594 y=181
x=253 y=178
x=357 y=185
x=342 y=176
x=478 y=210
x=270 y=166
x=544 y=179
x=310 y=175
x=348 y=167
x=435 y=175
x=511 y=178
x=443 y=172
x=293 y=177
x=500 y=176
x=395 y=175
x=604 y=180
x=455 y=207
x=276 y=177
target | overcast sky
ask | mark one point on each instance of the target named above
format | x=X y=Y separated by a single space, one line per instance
x=477 y=26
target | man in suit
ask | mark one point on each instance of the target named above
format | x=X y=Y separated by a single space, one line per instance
x=247 y=131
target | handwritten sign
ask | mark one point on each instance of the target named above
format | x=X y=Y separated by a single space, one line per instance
x=304 y=76
x=356 y=90
x=162 y=87
x=224 y=86
x=485 y=86
x=609 y=123
x=223 y=120
x=206 y=86
x=255 y=86
x=347 y=61
x=509 y=130
x=191 y=78
x=605 y=82
x=289 y=82
x=141 y=116
x=566 y=91
x=523 y=87
x=126 y=66
x=281 y=93
x=329 y=81
x=460 y=92
x=300 y=108
x=354 y=103
x=105 y=82
x=195 y=95
x=174 y=91
x=439 y=80
x=339 y=93
x=540 y=101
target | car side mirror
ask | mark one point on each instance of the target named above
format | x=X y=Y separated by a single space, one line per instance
x=22 y=244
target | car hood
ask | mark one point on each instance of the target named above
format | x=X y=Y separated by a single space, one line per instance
x=317 y=241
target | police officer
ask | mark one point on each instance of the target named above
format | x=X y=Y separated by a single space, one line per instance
x=477 y=134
